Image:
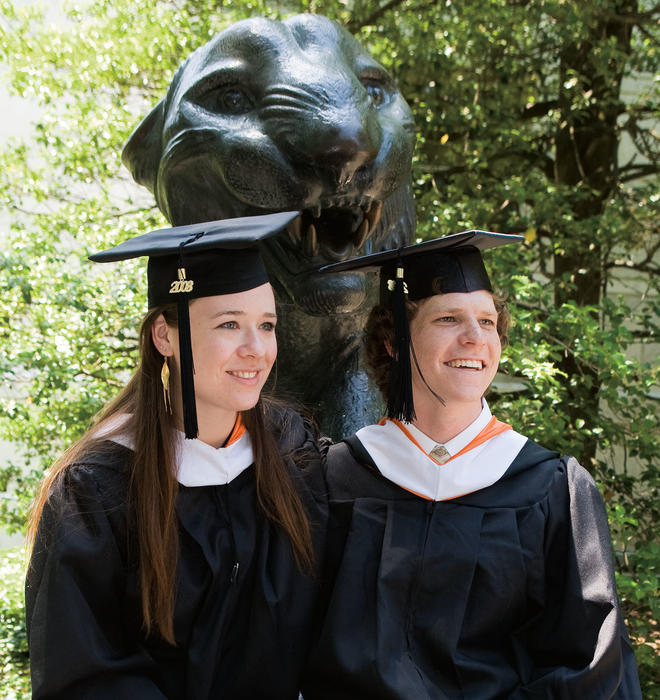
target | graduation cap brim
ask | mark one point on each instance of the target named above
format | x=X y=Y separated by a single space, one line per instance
x=225 y=234
x=481 y=240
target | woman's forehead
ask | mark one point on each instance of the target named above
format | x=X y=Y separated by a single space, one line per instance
x=256 y=300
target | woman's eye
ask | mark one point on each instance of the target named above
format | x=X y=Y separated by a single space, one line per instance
x=487 y=322
x=268 y=326
x=446 y=319
x=228 y=324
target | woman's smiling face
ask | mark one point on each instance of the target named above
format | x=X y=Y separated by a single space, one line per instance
x=457 y=347
x=234 y=348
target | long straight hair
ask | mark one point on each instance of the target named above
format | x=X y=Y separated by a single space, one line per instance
x=153 y=488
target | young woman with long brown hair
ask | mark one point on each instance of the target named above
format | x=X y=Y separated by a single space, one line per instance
x=465 y=561
x=174 y=545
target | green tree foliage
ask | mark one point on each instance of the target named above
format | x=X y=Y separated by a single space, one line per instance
x=534 y=116
x=13 y=640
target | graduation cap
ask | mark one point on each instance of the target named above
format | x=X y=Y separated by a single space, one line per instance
x=440 y=266
x=199 y=260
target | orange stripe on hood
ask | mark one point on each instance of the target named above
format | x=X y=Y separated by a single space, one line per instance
x=237 y=432
x=493 y=428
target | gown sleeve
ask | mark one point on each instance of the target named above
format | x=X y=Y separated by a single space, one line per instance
x=578 y=647
x=76 y=599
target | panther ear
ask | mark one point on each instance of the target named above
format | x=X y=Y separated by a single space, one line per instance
x=143 y=149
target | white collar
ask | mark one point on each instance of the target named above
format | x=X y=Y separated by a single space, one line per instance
x=400 y=460
x=198 y=464
x=458 y=442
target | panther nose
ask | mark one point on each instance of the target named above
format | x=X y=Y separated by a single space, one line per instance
x=339 y=151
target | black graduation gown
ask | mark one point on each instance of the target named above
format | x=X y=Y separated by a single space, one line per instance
x=507 y=592
x=243 y=609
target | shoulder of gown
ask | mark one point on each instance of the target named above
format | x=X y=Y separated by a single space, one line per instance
x=76 y=609
x=293 y=432
x=97 y=482
x=302 y=448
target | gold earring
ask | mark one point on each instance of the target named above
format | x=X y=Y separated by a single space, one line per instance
x=165 y=379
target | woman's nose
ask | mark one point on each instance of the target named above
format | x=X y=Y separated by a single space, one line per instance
x=251 y=345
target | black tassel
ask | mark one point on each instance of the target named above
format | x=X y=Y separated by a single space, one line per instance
x=187 y=370
x=400 y=403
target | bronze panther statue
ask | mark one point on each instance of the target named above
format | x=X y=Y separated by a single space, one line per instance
x=274 y=116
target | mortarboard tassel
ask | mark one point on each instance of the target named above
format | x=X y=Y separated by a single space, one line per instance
x=187 y=370
x=185 y=347
x=400 y=397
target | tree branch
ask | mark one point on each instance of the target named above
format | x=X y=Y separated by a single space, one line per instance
x=101 y=376
x=539 y=109
x=648 y=264
x=373 y=17
x=637 y=267
x=633 y=172
x=545 y=163
x=645 y=335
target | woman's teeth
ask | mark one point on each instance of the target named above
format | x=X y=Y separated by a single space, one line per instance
x=473 y=364
x=244 y=375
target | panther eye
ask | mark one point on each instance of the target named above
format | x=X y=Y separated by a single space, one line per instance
x=376 y=93
x=233 y=100
x=228 y=100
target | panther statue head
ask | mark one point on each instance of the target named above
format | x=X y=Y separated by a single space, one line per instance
x=294 y=115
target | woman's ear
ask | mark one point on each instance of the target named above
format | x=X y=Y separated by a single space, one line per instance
x=388 y=348
x=161 y=336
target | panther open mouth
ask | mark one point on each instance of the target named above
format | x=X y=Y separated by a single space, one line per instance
x=335 y=229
